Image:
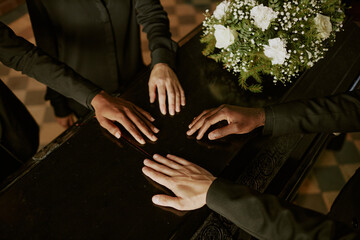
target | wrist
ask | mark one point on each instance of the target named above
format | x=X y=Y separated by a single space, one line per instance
x=99 y=99
x=157 y=65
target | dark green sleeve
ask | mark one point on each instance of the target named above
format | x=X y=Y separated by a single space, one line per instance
x=153 y=18
x=339 y=113
x=266 y=217
x=19 y=54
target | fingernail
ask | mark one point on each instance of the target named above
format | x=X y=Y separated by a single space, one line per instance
x=211 y=136
x=142 y=141
x=155 y=156
x=117 y=135
x=188 y=133
x=156 y=130
x=153 y=138
x=155 y=199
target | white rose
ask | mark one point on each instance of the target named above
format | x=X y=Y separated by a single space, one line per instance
x=262 y=16
x=276 y=51
x=221 y=10
x=224 y=36
x=323 y=25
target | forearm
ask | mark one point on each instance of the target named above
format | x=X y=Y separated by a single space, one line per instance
x=153 y=18
x=266 y=217
x=340 y=113
x=17 y=53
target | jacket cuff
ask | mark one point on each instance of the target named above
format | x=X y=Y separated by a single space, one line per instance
x=212 y=193
x=90 y=98
x=163 y=55
x=219 y=190
x=269 y=121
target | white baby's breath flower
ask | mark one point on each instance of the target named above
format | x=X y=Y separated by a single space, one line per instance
x=309 y=54
x=262 y=16
x=323 y=25
x=224 y=36
x=221 y=10
x=276 y=51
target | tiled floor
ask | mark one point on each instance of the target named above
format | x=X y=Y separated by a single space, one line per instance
x=330 y=173
x=317 y=192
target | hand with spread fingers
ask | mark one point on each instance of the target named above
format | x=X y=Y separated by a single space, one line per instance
x=164 y=81
x=240 y=120
x=110 y=109
x=188 y=181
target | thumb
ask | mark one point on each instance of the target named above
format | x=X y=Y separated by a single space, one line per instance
x=166 y=201
x=232 y=128
x=110 y=126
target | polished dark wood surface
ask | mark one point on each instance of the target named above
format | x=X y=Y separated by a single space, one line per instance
x=87 y=184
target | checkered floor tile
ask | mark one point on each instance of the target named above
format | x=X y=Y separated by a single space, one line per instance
x=330 y=173
x=317 y=192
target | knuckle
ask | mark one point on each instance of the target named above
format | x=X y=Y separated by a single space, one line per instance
x=180 y=205
x=204 y=112
x=171 y=90
x=207 y=119
x=120 y=115
x=127 y=110
x=172 y=182
x=171 y=97
x=237 y=127
x=225 y=110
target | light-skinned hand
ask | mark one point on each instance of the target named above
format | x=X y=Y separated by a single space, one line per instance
x=188 y=181
x=240 y=120
x=164 y=81
x=67 y=121
x=110 y=109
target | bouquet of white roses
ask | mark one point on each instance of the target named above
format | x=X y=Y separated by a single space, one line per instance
x=271 y=37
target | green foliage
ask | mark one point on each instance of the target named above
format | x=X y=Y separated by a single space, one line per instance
x=294 y=25
x=275 y=4
x=210 y=44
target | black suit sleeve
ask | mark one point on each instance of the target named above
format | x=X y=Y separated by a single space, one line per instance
x=153 y=18
x=266 y=217
x=19 y=54
x=45 y=38
x=339 y=113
